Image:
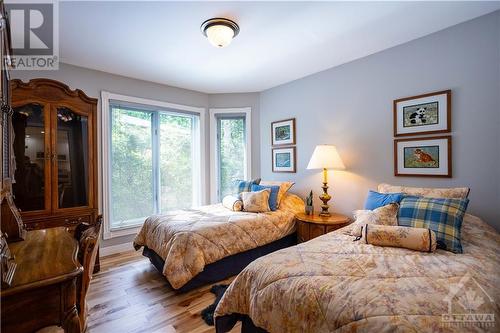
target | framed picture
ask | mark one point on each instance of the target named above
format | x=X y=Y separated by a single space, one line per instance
x=423 y=157
x=284 y=159
x=283 y=132
x=423 y=114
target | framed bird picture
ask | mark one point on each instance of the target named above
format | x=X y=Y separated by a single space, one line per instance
x=423 y=114
x=423 y=157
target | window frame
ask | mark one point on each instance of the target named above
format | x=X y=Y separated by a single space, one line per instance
x=105 y=163
x=214 y=152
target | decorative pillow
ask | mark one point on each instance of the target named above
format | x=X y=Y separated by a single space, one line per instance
x=292 y=203
x=257 y=202
x=243 y=186
x=273 y=197
x=443 y=216
x=418 y=239
x=375 y=200
x=232 y=203
x=386 y=215
x=427 y=192
x=284 y=188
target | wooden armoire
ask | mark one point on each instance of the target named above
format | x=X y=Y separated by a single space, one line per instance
x=55 y=152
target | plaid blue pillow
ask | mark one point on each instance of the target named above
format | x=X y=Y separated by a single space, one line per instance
x=243 y=186
x=443 y=216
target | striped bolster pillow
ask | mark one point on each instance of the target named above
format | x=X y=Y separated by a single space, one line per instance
x=418 y=239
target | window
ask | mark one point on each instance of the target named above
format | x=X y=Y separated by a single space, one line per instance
x=230 y=142
x=153 y=160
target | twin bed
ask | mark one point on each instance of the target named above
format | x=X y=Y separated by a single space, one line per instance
x=332 y=284
x=329 y=284
x=193 y=247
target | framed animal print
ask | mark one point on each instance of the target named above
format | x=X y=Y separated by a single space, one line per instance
x=284 y=159
x=423 y=114
x=423 y=157
x=283 y=132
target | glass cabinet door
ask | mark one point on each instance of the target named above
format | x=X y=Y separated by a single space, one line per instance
x=71 y=158
x=31 y=141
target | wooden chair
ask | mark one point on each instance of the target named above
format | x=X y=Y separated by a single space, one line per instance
x=88 y=236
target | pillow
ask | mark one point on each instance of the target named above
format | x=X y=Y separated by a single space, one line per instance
x=375 y=200
x=243 y=186
x=232 y=203
x=427 y=192
x=284 y=188
x=386 y=215
x=256 y=202
x=443 y=216
x=418 y=239
x=273 y=197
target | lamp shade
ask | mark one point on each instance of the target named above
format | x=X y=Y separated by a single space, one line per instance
x=220 y=31
x=220 y=35
x=326 y=157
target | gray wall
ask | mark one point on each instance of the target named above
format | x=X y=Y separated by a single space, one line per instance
x=92 y=82
x=351 y=106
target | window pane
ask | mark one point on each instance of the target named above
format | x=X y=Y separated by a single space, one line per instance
x=131 y=167
x=176 y=161
x=231 y=147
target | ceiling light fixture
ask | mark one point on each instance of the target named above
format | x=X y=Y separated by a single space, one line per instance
x=220 y=31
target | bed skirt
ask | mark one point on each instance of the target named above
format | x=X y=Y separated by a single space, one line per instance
x=226 y=267
x=226 y=323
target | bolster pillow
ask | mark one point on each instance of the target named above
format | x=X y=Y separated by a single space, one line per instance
x=418 y=239
x=232 y=203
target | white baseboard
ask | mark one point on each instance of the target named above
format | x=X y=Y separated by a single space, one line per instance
x=113 y=249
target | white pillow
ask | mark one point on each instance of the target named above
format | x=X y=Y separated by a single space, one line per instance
x=232 y=203
x=385 y=215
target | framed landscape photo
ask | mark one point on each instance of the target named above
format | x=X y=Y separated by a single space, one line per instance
x=284 y=159
x=423 y=157
x=423 y=114
x=283 y=132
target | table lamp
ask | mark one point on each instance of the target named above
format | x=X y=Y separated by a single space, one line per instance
x=325 y=157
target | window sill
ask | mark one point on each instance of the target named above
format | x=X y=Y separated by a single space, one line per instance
x=124 y=231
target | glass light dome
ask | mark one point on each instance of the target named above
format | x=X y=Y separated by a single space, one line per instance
x=220 y=31
x=219 y=35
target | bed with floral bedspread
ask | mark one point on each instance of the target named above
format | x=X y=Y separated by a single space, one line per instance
x=189 y=240
x=332 y=284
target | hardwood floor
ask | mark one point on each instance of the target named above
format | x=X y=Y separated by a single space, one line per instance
x=130 y=295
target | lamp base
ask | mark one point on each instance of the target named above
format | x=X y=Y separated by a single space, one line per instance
x=325 y=197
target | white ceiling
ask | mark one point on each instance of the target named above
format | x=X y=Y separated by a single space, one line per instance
x=279 y=41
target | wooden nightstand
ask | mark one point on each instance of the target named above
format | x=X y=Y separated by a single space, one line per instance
x=311 y=226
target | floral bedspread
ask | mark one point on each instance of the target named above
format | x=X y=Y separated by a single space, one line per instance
x=332 y=284
x=190 y=239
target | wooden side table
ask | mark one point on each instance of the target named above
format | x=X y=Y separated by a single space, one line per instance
x=311 y=226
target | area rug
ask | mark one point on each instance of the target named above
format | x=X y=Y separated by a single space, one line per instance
x=208 y=313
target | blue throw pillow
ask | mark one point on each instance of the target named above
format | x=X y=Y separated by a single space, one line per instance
x=443 y=216
x=273 y=198
x=243 y=186
x=375 y=200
